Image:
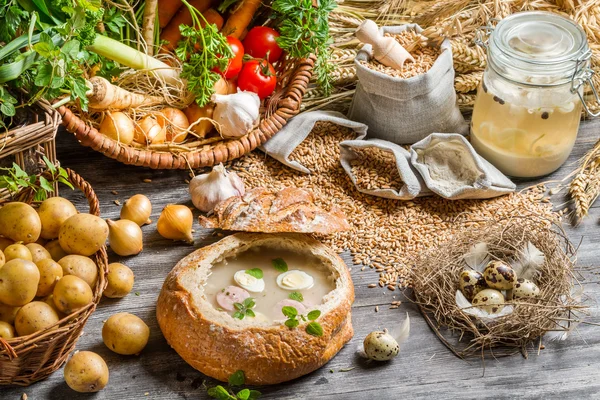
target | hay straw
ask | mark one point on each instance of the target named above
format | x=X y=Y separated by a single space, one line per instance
x=557 y=308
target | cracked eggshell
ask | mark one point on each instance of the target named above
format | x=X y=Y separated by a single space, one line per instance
x=499 y=275
x=470 y=283
x=523 y=289
x=489 y=300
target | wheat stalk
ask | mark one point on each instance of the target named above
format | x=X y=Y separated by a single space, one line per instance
x=466 y=83
x=585 y=186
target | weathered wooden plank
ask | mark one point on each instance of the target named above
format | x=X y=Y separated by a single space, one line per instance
x=425 y=369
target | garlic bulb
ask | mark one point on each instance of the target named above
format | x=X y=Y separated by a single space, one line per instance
x=175 y=222
x=137 y=209
x=207 y=190
x=125 y=237
x=236 y=114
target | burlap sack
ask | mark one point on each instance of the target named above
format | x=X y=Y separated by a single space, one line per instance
x=452 y=169
x=413 y=185
x=405 y=111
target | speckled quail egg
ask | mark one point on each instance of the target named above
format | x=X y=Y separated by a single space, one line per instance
x=523 y=289
x=489 y=300
x=471 y=282
x=381 y=346
x=499 y=275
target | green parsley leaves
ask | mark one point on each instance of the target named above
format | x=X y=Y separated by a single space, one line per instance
x=279 y=264
x=296 y=296
x=312 y=328
x=255 y=272
x=244 y=309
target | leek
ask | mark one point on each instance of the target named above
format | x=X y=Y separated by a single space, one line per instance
x=132 y=58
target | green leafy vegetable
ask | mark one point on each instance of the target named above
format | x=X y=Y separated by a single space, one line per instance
x=304 y=30
x=238 y=378
x=255 y=272
x=198 y=67
x=244 y=309
x=312 y=328
x=313 y=315
x=219 y=392
x=16 y=179
x=280 y=264
x=296 y=296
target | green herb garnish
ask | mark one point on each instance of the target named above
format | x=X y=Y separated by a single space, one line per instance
x=312 y=328
x=244 y=309
x=238 y=378
x=255 y=272
x=17 y=179
x=296 y=296
x=280 y=264
x=304 y=30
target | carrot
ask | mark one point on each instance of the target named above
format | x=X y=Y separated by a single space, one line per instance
x=212 y=17
x=166 y=10
x=240 y=18
x=171 y=33
x=104 y=95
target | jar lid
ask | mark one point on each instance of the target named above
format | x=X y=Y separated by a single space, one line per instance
x=537 y=47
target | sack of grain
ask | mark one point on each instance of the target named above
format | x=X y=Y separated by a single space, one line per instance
x=452 y=169
x=405 y=107
x=381 y=168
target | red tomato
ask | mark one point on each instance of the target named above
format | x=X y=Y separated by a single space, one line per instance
x=235 y=64
x=258 y=76
x=260 y=40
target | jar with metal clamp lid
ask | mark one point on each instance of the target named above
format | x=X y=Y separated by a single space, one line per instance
x=528 y=106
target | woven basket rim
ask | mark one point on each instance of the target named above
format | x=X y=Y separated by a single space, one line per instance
x=226 y=150
x=70 y=325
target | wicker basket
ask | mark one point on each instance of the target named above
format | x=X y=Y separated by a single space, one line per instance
x=27 y=359
x=27 y=144
x=282 y=106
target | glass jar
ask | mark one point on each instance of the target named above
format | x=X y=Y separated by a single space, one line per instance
x=528 y=106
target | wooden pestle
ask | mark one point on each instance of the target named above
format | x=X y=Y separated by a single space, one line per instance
x=386 y=50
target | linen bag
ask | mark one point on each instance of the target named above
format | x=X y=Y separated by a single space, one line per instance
x=413 y=185
x=452 y=169
x=405 y=111
x=298 y=128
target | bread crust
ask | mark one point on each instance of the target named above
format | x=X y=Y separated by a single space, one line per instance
x=218 y=345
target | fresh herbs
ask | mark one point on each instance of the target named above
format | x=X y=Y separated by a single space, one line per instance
x=279 y=264
x=7 y=105
x=255 y=272
x=312 y=328
x=202 y=50
x=296 y=296
x=238 y=378
x=304 y=30
x=17 y=179
x=244 y=309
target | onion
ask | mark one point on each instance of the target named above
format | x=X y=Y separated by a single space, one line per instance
x=149 y=131
x=175 y=122
x=175 y=222
x=117 y=126
x=125 y=237
x=137 y=209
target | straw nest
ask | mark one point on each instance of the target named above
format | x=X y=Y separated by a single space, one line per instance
x=554 y=311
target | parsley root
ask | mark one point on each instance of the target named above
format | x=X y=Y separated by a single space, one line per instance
x=104 y=95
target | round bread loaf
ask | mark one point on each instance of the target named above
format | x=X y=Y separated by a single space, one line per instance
x=268 y=352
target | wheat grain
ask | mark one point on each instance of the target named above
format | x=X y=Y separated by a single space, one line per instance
x=585 y=186
x=467 y=82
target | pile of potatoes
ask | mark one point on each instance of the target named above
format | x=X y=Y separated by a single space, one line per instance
x=45 y=269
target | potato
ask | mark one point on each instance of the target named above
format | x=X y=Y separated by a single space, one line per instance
x=2 y=259
x=71 y=294
x=34 y=317
x=7 y=331
x=80 y=266
x=53 y=213
x=125 y=333
x=86 y=372
x=20 y=222
x=50 y=301
x=4 y=243
x=120 y=281
x=56 y=252
x=50 y=274
x=83 y=234
x=8 y=313
x=17 y=252
x=18 y=282
x=38 y=252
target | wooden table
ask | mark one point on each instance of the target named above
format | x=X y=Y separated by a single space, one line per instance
x=424 y=369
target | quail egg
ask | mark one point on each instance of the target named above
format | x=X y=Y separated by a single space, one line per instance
x=249 y=282
x=295 y=279
x=471 y=282
x=523 y=289
x=489 y=300
x=499 y=275
x=381 y=346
